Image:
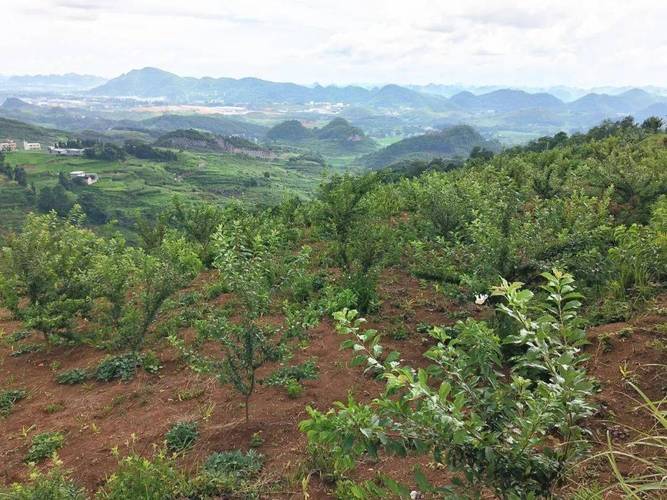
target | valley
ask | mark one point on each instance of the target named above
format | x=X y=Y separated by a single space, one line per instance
x=256 y=250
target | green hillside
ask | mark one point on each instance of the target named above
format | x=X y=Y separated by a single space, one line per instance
x=338 y=137
x=135 y=186
x=19 y=131
x=454 y=142
x=195 y=140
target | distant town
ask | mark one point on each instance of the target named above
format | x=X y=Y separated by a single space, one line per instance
x=10 y=145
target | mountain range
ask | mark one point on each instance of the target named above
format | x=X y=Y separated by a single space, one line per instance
x=512 y=115
x=450 y=143
x=155 y=83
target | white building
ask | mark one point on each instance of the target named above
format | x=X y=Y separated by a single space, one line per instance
x=83 y=177
x=32 y=146
x=66 y=151
x=8 y=145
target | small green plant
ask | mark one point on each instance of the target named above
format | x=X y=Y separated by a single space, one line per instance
x=44 y=445
x=334 y=299
x=23 y=349
x=190 y=393
x=256 y=440
x=216 y=289
x=151 y=362
x=182 y=436
x=246 y=348
x=51 y=485
x=139 y=477
x=190 y=299
x=18 y=336
x=294 y=389
x=606 y=344
x=284 y=375
x=400 y=333
x=73 y=377
x=8 y=399
x=121 y=367
x=235 y=463
x=52 y=408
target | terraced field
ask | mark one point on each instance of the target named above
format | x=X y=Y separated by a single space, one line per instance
x=134 y=186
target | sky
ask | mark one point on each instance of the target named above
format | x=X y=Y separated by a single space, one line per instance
x=582 y=43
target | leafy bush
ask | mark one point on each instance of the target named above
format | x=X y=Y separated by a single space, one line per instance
x=248 y=254
x=47 y=262
x=245 y=348
x=216 y=289
x=150 y=362
x=51 y=485
x=229 y=473
x=44 y=445
x=495 y=428
x=121 y=367
x=22 y=349
x=336 y=299
x=293 y=388
x=182 y=436
x=305 y=371
x=8 y=399
x=169 y=267
x=235 y=463
x=72 y=377
x=363 y=286
x=139 y=477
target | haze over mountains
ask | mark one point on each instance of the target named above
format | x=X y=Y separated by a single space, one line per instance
x=83 y=102
x=155 y=83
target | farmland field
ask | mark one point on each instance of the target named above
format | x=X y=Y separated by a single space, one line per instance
x=134 y=186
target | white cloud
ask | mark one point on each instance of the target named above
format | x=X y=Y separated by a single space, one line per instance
x=596 y=42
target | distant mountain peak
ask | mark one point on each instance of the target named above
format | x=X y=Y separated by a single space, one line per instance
x=13 y=103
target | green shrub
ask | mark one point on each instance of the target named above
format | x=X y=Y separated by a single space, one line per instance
x=364 y=287
x=336 y=299
x=400 y=333
x=8 y=399
x=47 y=262
x=256 y=440
x=150 y=362
x=190 y=299
x=182 y=436
x=22 y=349
x=73 y=377
x=294 y=389
x=52 y=408
x=121 y=367
x=44 y=445
x=282 y=376
x=229 y=473
x=141 y=478
x=496 y=429
x=51 y=485
x=235 y=463
x=216 y=289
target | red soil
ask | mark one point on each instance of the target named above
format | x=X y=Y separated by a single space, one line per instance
x=96 y=418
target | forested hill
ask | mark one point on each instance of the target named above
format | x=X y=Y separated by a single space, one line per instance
x=490 y=318
x=338 y=133
x=454 y=142
x=20 y=131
